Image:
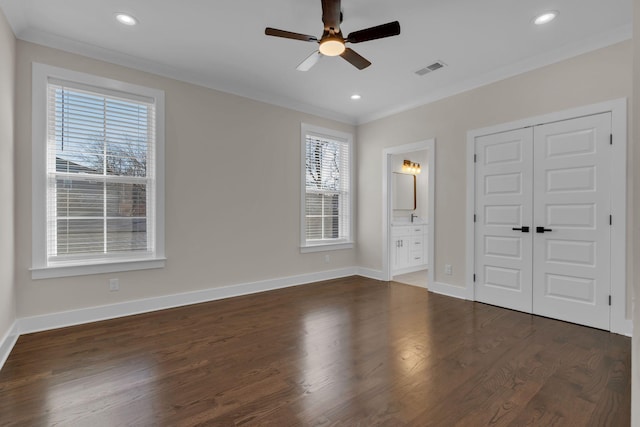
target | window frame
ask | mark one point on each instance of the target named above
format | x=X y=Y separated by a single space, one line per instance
x=41 y=268
x=344 y=243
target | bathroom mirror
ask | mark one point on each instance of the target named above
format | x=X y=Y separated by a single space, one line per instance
x=404 y=191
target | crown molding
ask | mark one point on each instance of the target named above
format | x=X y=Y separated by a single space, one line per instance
x=130 y=61
x=564 y=52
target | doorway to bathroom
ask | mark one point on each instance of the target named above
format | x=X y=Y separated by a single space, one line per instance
x=408 y=213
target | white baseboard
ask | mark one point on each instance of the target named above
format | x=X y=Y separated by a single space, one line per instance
x=448 y=290
x=45 y=322
x=93 y=314
x=622 y=327
x=407 y=270
x=370 y=273
x=7 y=343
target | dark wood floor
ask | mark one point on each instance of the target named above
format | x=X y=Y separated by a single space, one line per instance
x=346 y=352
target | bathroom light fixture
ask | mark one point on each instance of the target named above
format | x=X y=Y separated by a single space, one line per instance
x=355 y=97
x=409 y=167
x=545 y=18
x=126 y=19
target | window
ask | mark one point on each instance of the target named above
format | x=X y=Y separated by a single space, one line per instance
x=326 y=202
x=97 y=174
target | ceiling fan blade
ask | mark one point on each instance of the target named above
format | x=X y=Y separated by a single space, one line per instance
x=373 y=33
x=355 y=59
x=289 y=35
x=331 y=14
x=310 y=61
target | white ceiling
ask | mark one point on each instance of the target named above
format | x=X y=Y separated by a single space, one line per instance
x=221 y=44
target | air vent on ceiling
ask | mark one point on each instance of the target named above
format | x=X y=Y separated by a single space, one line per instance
x=429 y=68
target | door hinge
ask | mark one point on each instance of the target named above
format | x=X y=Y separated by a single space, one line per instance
x=610 y=139
x=609 y=299
x=475 y=158
x=474 y=278
x=474 y=217
x=610 y=219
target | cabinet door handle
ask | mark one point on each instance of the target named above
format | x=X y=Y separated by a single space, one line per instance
x=542 y=229
x=524 y=229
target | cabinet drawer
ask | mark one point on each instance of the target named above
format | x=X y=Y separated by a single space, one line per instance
x=417 y=243
x=416 y=259
x=400 y=231
x=417 y=229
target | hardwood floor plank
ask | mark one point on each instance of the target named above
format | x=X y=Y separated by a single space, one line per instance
x=346 y=352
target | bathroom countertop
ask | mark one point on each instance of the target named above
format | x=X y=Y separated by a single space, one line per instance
x=407 y=222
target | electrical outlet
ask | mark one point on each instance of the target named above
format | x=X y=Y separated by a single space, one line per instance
x=448 y=269
x=327 y=259
x=114 y=285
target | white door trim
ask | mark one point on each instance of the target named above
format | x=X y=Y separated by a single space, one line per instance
x=620 y=324
x=430 y=146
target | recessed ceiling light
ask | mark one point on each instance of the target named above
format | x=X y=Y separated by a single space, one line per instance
x=355 y=97
x=126 y=19
x=545 y=18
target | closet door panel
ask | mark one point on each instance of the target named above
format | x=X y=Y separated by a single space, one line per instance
x=571 y=265
x=504 y=203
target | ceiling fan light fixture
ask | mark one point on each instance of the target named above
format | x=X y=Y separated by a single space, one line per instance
x=332 y=42
x=332 y=46
x=545 y=17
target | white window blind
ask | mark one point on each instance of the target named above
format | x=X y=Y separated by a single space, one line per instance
x=327 y=205
x=100 y=174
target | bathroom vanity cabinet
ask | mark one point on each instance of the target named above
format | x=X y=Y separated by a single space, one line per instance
x=408 y=248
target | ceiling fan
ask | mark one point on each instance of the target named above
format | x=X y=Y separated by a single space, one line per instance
x=332 y=42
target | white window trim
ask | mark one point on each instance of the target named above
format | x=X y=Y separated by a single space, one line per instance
x=40 y=269
x=306 y=247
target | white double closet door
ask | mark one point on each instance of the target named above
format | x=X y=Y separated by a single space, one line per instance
x=542 y=235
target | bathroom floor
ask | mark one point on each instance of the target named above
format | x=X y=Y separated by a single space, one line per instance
x=417 y=278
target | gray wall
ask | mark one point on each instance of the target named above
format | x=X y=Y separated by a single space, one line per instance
x=597 y=76
x=7 y=91
x=229 y=224
x=232 y=193
x=635 y=201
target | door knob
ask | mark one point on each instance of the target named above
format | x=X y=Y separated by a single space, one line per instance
x=542 y=229
x=524 y=229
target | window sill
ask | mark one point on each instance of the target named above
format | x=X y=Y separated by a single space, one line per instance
x=326 y=247
x=107 y=267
